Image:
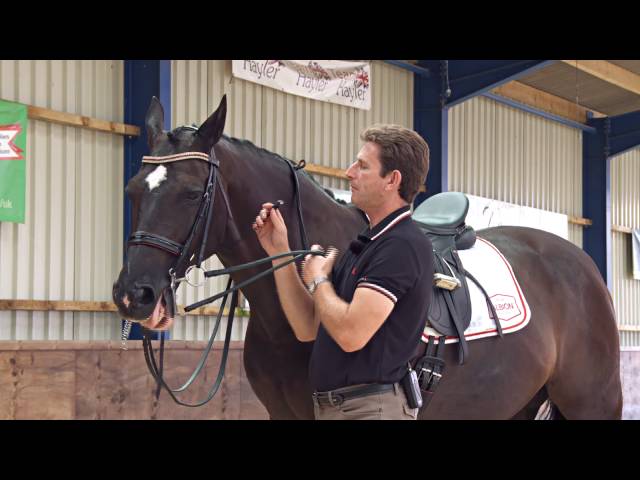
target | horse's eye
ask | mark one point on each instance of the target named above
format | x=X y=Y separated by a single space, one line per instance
x=193 y=196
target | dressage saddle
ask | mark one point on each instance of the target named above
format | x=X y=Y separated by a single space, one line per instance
x=442 y=218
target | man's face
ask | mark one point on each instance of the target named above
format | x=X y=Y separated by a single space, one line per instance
x=367 y=186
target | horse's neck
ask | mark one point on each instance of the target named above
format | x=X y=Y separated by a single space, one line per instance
x=253 y=180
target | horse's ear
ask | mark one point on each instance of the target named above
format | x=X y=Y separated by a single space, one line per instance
x=211 y=130
x=154 y=121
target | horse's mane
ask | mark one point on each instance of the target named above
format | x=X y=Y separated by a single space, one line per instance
x=263 y=151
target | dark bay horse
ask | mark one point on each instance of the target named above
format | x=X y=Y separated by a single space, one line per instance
x=568 y=354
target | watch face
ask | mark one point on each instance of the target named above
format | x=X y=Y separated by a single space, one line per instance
x=316 y=281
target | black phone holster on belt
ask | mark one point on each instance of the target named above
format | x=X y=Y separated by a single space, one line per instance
x=412 y=388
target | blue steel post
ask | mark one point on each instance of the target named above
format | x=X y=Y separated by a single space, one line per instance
x=441 y=84
x=142 y=80
x=596 y=196
x=614 y=136
x=430 y=120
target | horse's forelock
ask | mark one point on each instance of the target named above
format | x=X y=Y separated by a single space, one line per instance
x=184 y=129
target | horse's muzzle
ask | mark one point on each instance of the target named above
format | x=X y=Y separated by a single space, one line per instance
x=135 y=303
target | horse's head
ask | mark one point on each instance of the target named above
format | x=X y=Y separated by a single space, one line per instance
x=165 y=199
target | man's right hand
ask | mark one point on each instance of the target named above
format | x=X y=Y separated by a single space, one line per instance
x=271 y=230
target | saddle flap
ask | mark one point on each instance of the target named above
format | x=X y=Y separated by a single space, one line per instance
x=440 y=315
x=450 y=310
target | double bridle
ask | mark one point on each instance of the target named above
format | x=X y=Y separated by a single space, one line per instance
x=142 y=238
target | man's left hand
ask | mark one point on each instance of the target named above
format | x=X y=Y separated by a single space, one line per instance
x=316 y=265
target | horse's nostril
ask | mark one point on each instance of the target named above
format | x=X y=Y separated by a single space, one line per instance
x=142 y=294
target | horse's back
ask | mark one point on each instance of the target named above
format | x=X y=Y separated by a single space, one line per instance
x=534 y=245
x=557 y=263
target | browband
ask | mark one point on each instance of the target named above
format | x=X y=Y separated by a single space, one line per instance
x=177 y=157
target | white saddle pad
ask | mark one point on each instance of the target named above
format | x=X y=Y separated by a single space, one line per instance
x=485 y=262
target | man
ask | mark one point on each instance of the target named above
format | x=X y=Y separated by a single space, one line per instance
x=367 y=313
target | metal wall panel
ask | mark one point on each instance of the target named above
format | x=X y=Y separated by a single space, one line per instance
x=70 y=247
x=295 y=127
x=625 y=211
x=499 y=152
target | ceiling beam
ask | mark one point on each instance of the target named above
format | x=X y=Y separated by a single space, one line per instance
x=541 y=100
x=466 y=79
x=609 y=72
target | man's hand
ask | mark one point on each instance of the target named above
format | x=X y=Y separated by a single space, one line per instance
x=271 y=230
x=317 y=265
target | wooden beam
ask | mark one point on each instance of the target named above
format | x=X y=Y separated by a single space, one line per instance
x=609 y=72
x=67 y=306
x=629 y=328
x=57 y=306
x=70 y=119
x=97 y=345
x=326 y=171
x=72 y=306
x=579 y=220
x=541 y=100
x=621 y=229
x=333 y=172
x=339 y=173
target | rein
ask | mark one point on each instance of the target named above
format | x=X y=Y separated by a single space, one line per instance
x=142 y=238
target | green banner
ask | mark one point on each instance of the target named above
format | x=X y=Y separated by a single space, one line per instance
x=13 y=163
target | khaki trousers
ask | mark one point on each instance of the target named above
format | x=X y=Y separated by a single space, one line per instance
x=391 y=405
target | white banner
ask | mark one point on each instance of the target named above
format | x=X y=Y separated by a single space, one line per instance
x=635 y=253
x=484 y=213
x=335 y=81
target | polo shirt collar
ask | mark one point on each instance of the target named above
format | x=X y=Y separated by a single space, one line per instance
x=386 y=224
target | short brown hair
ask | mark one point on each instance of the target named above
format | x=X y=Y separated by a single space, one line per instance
x=403 y=150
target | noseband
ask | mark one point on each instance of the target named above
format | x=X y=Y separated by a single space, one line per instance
x=142 y=238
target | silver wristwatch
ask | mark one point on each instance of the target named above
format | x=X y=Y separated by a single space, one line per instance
x=315 y=282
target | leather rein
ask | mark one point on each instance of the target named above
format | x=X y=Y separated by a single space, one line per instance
x=143 y=238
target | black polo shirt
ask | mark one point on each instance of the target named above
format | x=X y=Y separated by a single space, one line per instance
x=396 y=260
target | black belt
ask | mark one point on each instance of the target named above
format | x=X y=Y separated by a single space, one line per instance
x=337 y=397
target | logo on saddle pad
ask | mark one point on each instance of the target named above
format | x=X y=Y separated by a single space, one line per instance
x=506 y=307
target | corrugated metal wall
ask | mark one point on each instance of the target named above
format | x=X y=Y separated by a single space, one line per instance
x=625 y=211
x=498 y=152
x=70 y=247
x=292 y=126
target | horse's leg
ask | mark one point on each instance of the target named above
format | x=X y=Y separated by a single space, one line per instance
x=278 y=374
x=260 y=365
x=540 y=404
x=598 y=398
x=290 y=371
x=531 y=410
x=296 y=387
x=589 y=387
x=586 y=382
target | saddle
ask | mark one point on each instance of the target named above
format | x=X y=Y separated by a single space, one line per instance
x=442 y=218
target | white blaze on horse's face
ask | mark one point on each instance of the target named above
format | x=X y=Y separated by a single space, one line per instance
x=155 y=178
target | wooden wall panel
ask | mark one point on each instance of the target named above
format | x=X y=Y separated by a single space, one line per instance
x=100 y=381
